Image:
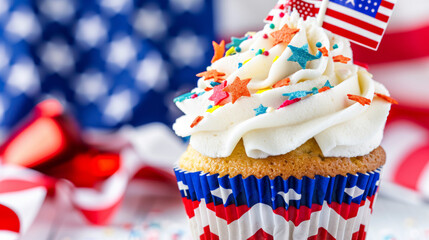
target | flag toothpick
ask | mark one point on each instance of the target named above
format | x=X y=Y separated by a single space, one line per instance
x=322 y=12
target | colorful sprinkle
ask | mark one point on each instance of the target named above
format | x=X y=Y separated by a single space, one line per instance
x=194 y=96
x=212 y=109
x=219 y=50
x=301 y=55
x=218 y=93
x=363 y=101
x=214 y=84
x=238 y=89
x=263 y=90
x=247 y=61
x=328 y=84
x=196 y=121
x=319 y=44
x=238 y=49
x=212 y=74
x=323 y=89
x=275 y=59
x=282 y=14
x=272 y=26
x=315 y=90
x=284 y=35
x=282 y=83
x=335 y=46
x=183 y=97
x=230 y=51
x=265 y=36
x=289 y=102
x=260 y=110
x=341 y=59
x=386 y=98
x=260 y=51
x=240 y=65
x=210 y=106
x=324 y=51
x=235 y=42
x=207 y=89
x=297 y=94
x=266 y=53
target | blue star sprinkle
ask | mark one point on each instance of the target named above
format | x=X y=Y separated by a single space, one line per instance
x=260 y=110
x=328 y=84
x=297 y=94
x=301 y=55
x=235 y=42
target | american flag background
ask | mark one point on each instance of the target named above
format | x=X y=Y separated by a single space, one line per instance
x=108 y=70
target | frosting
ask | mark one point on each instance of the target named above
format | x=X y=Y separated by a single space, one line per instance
x=312 y=103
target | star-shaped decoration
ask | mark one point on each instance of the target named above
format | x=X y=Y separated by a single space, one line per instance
x=282 y=83
x=218 y=94
x=235 y=42
x=363 y=101
x=284 y=35
x=352 y=2
x=260 y=110
x=219 y=50
x=297 y=94
x=238 y=89
x=301 y=55
x=212 y=74
x=341 y=59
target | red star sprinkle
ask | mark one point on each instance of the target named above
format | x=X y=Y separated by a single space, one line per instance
x=341 y=59
x=386 y=98
x=282 y=83
x=284 y=35
x=324 y=51
x=238 y=89
x=218 y=93
x=289 y=102
x=212 y=74
x=219 y=50
x=323 y=89
x=363 y=101
x=196 y=121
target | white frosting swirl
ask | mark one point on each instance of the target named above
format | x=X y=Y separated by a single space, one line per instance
x=340 y=126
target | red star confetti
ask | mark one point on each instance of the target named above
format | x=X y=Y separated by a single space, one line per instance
x=218 y=93
x=363 y=101
x=196 y=121
x=284 y=35
x=341 y=59
x=324 y=51
x=386 y=98
x=212 y=74
x=282 y=83
x=289 y=102
x=238 y=89
x=219 y=50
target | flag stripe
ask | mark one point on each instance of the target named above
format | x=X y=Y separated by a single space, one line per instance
x=357 y=15
x=355 y=21
x=353 y=28
x=385 y=11
x=351 y=35
x=382 y=17
x=387 y=4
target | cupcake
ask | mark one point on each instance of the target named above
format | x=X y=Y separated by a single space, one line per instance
x=285 y=135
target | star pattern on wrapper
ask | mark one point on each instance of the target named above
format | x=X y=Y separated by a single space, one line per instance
x=260 y=110
x=238 y=89
x=301 y=55
x=284 y=35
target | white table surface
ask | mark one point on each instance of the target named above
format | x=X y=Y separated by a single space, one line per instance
x=154 y=211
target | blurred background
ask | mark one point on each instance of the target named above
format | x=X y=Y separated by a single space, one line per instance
x=86 y=108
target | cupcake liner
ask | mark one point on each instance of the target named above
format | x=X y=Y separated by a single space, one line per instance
x=250 y=208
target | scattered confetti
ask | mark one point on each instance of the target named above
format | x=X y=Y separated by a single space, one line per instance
x=210 y=106
x=289 y=102
x=218 y=93
x=282 y=83
x=259 y=52
x=240 y=65
x=363 y=101
x=323 y=89
x=196 y=121
x=194 y=96
x=183 y=97
x=247 y=61
x=262 y=90
x=297 y=94
x=328 y=84
x=275 y=59
x=219 y=50
x=335 y=46
x=235 y=42
x=341 y=59
x=272 y=26
x=238 y=89
x=284 y=35
x=238 y=49
x=282 y=14
x=386 y=98
x=207 y=89
x=212 y=74
x=230 y=51
x=260 y=110
x=266 y=53
x=212 y=109
x=301 y=55
x=324 y=51
x=214 y=84
x=265 y=36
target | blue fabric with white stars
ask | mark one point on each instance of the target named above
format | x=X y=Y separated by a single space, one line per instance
x=110 y=62
x=368 y=7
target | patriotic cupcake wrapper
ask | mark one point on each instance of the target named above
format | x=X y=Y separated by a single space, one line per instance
x=250 y=208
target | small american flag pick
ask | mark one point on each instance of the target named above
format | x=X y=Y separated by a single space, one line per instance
x=361 y=21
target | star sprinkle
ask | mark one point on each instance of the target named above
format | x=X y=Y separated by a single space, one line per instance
x=301 y=55
x=363 y=101
x=341 y=59
x=218 y=93
x=289 y=102
x=386 y=98
x=212 y=74
x=219 y=50
x=235 y=42
x=238 y=89
x=282 y=83
x=260 y=110
x=196 y=121
x=328 y=84
x=284 y=35
x=324 y=51
x=297 y=94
